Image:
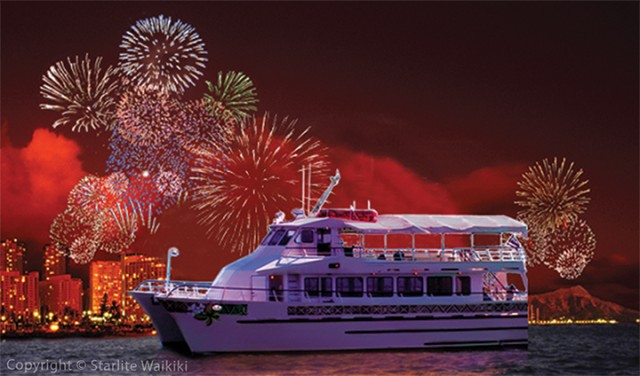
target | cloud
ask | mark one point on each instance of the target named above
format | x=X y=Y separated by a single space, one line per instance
x=487 y=190
x=36 y=180
x=390 y=186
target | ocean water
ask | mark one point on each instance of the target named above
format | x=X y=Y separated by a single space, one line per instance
x=553 y=350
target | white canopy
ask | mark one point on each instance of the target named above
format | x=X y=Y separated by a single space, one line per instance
x=422 y=224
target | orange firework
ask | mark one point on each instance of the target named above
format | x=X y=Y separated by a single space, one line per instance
x=552 y=195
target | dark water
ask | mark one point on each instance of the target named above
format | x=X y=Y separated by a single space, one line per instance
x=553 y=350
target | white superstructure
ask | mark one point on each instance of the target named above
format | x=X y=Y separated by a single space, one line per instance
x=353 y=279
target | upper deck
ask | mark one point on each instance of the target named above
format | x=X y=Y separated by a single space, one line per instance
x=364 y=234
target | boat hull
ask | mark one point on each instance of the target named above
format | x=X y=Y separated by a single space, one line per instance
x=168 y=330
x=264 y=333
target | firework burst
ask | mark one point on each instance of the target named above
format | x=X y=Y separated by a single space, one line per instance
x=82 y=91
x=148 y=117
x=110 y=234
x=83 y=249
x=202 y=125
x=232 y=98
x=570 y=249
x=535 y=247
x=241 y=190
x=91 y=216
x=162 y=54
x=552 y=194
x=70 y=225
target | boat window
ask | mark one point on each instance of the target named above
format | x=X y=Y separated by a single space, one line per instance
x=266 y=238
x=439 y=286
x=463 y=285
x=315 y=286
x=285 y=239
x=380 y=286
x=276 y=237
x=410 y=286
x=305 y=236
x=349 y=286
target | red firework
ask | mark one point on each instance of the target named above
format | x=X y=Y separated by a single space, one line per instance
x=241 y=189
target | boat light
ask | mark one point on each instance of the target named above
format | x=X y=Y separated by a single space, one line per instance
x=334 y=265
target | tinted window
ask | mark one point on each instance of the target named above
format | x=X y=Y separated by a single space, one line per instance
x=463 y=285
x=306 y=236
x=380 y=286
x=439 y=286
x=349 y=286
x=410 y=286
x=315 y=286
x=287 y=237
x=276 y=237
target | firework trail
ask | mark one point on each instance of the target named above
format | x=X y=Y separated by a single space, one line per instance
x=570 y=249
x=552 y=194
x=232 y=98
x=162 y=54
x=240 y=191
x=82 y=92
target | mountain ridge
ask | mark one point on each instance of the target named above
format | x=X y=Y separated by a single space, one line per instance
x=577 y=303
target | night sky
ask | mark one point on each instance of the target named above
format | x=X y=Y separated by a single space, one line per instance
x=445 y=103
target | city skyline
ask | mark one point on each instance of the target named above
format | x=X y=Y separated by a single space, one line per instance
x=424 y=107
x=31 y=295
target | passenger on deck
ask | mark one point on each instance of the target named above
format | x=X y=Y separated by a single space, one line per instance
x=511 y=289
x=398 y=256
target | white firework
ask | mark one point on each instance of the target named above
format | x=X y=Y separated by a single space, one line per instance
x=82 y=92
x=162 y=54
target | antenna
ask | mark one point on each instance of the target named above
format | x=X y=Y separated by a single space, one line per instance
x=309 y=191
x=303 y=184
x=334 y=181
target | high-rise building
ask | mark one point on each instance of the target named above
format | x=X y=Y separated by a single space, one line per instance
x=136 y=269
x=12 y=255
x=19 y=293
x=105 y=277
x=61 y=291
x=55 y=262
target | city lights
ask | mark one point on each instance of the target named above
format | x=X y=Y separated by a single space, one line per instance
x=54 y=302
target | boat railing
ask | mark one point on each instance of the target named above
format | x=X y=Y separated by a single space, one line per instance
x=463 y=254
x=483 y=254
x=161 y=287
x=204 y=291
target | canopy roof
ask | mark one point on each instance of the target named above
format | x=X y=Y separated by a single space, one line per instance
x=421 y=224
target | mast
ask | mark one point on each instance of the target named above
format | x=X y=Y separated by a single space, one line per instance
x=334 y=181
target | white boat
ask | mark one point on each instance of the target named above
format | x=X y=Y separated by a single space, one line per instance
x=338 y=280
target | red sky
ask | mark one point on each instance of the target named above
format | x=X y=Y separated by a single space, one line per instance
x=426 y=107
